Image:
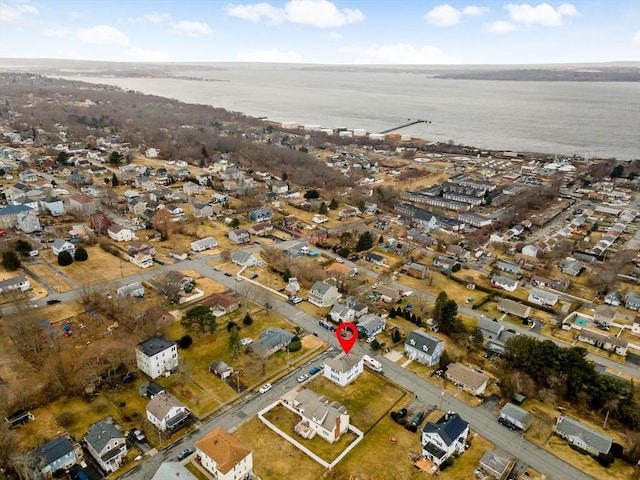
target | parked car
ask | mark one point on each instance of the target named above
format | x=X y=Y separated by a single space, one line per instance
x=295 y=299
x=158 y=261
x=254 y=276
x=227 y=274
x=185 y=453
x=402 y=413
x=265 y=388
x=246 y=341
x=314 y=370
x=302 y=377
x=128 y=377
x=53 y=301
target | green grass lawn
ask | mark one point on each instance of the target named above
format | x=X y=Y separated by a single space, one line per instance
x=367 y=399
x=286 y=420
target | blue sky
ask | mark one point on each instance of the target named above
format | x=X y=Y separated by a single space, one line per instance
x=323 y=31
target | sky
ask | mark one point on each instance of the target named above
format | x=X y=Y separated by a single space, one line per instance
x=322 y=31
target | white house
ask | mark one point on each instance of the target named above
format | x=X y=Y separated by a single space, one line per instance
x=530 y=250
x=323 y=295
x=239 y=236
x=224 y=456
x=582 y=436
x=508 y=284
x=120 y=234
x=204 y=244
x=19 y=282
x=423 y=348
x=166 y=412
x=28 y=176
x=157 y=356
x=471 y=381
x=444 y=438
x=244 y=258
x=60 y=245
x=542 y=297
x=342 y=313
x=135 y=289
x=343 y=369
x=319 y=416
x=142 y=260
x=106 y=444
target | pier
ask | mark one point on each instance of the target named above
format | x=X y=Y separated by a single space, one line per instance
x=411 y=122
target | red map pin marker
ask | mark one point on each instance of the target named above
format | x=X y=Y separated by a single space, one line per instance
x=347 y=343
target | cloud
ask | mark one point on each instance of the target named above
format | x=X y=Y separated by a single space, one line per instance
x=102 y=35
x=334 y=36
x=143 y=55
x=446 y=16
x=636 y=38
x=193 y=29
x=542 y=14
x=499 y=26
x=153 y=17
x=57 y=31
x=317 y=13
x=270 y=56
x=10 y=13
x=400 y=53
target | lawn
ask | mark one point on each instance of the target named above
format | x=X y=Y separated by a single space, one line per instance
x=83 y=413
x=367 y=399
x=100 y=267
x=391 y=459
x=273 y=457
x=286 y=420
x=48 y=274
x=208 y=347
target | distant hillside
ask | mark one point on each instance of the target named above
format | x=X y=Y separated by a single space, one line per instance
x=548 y=75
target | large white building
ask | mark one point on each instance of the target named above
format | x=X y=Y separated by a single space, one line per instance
x=157 y=356
x=319 y=416
x=445 y=437
x=166 y=412
x=224 y=456
x=343 y=369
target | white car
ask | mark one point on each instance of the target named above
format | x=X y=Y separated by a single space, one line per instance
x=246 y=341
x=295 y=299
x=265 y=388
x=302 y=378
x=370 y=339
x=339 y=260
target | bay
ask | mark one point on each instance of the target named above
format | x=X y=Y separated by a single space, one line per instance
x=601 y=119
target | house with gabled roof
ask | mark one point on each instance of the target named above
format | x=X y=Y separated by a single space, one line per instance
x=632 y=301
x=613 y=298
x=204 y=244
x=221 y=302
x=508 y=284
x=496 y=465
x=511 y=307
x=444 y=438
x=239 y=236
x=423 y=348
x=343 y=369
x=271 y=340
x=224 y=456
x=342 y=313
x=604 y=315
x=582 y=436
x=221 y=369
x=106 y=444
x=262 y=214
x=202 y=210
x=490 y=327
x=82 y=204
x=118 y=233
x=60 y=245
x=415 y=270
x=57 y=454
x=508 y=267
x=542 y=297
x=53 y=206
x=19 y=282
x=323 y=295
x=173 y=470
x=371 y=324
x=319 y=416
x=471 y=381
x=261 y=229
x=244 y=258
x=515 y=417
x=166 y=412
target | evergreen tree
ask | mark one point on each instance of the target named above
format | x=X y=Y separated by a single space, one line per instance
x=81 y=255
x=115 y=158
x=64 y=259
x=333 y=205
x=365 y=241
x=10 y=260
x=114 y=180
x=323 y=208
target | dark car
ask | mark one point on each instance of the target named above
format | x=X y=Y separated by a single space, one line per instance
x=254 y=276
x=128 y=377
x=80 y=475
x=158 y=261
x=314 y=370
x=227 y=274
x=53 y=301
x=185 y=453
x=402 y=413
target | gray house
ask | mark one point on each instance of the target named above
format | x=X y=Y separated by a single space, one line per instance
x=371 y=324
x=582 y=436
x=515 y=417
x=270 y=341
x=106 y=444
x=423 y=348
x=632 y=301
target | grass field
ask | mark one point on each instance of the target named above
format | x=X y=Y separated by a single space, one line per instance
x=367 y=399
x=273 y=457
x=48 y=274
x=286 y=420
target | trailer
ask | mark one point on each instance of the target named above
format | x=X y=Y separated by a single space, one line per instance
x=372 y=363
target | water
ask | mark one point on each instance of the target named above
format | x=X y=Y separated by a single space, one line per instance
x=596 y=118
